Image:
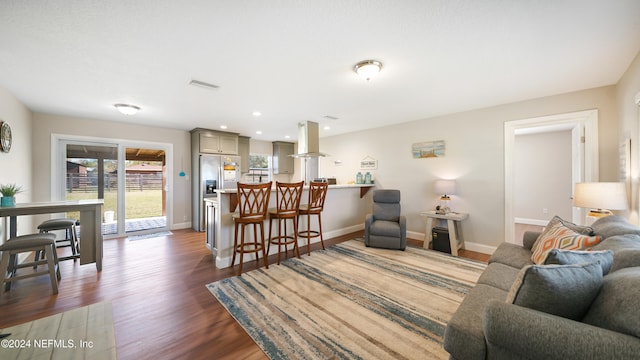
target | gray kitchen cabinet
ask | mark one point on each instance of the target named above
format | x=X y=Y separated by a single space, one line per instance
x=244 y=150
x=282 y=159
x=215 y=142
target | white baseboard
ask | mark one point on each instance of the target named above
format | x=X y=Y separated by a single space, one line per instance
x=481 y=248
x=178 y=226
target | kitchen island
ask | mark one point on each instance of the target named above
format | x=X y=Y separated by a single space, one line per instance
x=344 y=211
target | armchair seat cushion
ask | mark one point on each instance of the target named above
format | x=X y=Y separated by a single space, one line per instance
x=385 y=228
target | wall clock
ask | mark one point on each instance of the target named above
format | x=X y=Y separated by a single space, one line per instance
x=5 y=137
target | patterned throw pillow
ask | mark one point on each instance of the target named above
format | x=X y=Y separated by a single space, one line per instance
x=559 y=236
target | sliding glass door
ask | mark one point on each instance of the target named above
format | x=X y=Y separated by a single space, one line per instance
x=130 y=177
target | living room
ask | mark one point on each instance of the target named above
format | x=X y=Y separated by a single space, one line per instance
x=474 y=137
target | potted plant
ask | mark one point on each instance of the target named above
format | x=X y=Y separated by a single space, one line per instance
x=9 y=192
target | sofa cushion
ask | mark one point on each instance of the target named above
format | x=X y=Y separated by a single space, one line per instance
x=463 y=336
x=616 y=306
x=562 y=290
x=570 y=257
x=557 y=235
x=499 y=275
x=511 y=254
x=613 y=225
x=626 y=250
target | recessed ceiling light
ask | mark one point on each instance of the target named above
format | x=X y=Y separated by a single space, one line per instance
x=327 y=127
x=256 y=113
x=127 y=109
x=287 y=137
x=223 y=126
x=259 y=132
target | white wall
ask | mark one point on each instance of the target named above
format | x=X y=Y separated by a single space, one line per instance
x=45 y=124
x=543 y=175
x=628 y=87
x=15 y=166
x=474 y=155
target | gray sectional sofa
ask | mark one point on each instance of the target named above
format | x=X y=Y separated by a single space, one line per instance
x=486 y=326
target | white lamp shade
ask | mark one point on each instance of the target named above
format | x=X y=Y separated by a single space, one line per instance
x=445 y=187
x=601 y=195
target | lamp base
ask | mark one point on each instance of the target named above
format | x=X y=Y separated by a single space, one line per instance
x=599 y=213
x=595 y=214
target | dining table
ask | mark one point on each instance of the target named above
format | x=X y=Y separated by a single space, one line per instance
x=91 y=241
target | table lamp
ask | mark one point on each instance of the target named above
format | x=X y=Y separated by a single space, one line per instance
x=444 y=187
x=600 y=197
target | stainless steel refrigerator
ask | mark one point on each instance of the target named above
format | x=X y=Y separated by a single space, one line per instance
x=211 y=172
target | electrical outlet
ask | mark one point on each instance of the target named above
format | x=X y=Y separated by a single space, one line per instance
x=184 y=218
x=545 y=210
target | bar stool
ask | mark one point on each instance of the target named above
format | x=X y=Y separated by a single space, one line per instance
x=253 y=202
x=288 y=197
x=29 y=243
x=71 y=236
x=317 y=194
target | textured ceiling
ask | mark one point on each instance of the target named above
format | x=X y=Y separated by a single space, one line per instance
x=292 y=60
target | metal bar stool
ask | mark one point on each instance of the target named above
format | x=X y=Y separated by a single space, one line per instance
x=29 y=243
x=288 y=197
x=317 y=194
x=71 y=236
x=253 y=202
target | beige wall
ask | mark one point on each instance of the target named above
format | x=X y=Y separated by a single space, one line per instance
x=44 y=125
x=474 y=155
x=629 y=114
x=15 y=166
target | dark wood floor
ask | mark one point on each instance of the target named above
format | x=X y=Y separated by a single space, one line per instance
x=161 y=307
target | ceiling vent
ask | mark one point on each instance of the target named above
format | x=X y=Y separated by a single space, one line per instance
x=203 y=84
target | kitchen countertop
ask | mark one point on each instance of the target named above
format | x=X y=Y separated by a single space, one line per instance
x=273 y=188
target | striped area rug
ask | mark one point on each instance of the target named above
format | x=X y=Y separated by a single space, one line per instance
x=351 y=302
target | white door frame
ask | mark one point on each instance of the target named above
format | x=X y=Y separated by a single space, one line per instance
x=58 y=160
x=584 y=135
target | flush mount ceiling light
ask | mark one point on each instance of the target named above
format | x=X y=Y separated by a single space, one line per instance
x=127 y=109
x=368 y=69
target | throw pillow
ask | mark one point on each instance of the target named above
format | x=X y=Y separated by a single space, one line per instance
x=558 y=235
x=616 y=306
x=562 y=290
x=569 y=257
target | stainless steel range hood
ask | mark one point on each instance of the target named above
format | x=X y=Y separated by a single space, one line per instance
x=308 y=140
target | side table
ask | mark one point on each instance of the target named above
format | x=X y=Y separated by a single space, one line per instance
x=453 y=224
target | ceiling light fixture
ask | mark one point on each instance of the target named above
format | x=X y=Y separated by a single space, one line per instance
x=127 y=109
x=256 y=113
x=368 y=69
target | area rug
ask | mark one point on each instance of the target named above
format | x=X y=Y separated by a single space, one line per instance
x=351 y=302
x=82 y=333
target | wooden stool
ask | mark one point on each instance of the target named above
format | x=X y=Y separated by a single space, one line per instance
x=317 y=194
x=29 y=243
x=288 y=197
x=253 y=202
x=70 y=240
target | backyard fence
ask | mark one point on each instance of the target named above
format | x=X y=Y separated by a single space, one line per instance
x=134 y=182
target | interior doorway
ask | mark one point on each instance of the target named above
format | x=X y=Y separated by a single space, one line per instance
x=582 y=129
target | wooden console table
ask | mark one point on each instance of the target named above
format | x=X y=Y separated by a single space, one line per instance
x=453 y=221
x=90 y=223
